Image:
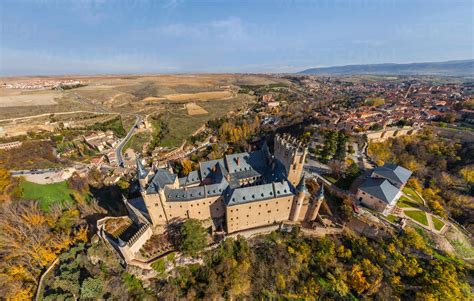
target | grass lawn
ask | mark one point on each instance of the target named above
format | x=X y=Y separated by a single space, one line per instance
x=46 y=194
x=417 y=215
x=438 y=224
x=411 y=193
x=393 y=218
x=403 y=202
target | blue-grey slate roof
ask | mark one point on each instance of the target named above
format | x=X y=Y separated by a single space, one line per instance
x=258 y=193
x=190 y=193
x=381 y=189
x=207 y=167
x=246 y=161
x=393 y=173
x=191 y=178
x=161 y=178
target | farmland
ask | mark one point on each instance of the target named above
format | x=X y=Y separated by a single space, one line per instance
x=176 y=97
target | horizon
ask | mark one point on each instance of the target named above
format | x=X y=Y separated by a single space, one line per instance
x=230 y=72
x=49 y=38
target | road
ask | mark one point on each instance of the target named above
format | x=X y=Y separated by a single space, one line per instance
x=118 y=150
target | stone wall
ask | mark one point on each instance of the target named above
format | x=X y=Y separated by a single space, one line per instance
x=382 y=135
x=257 y=214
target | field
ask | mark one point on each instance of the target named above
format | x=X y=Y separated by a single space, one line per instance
x=181 y=125
x=201 y=96
x=23 y=111
x=46 y=194
x=194 y=109
x=29 y=99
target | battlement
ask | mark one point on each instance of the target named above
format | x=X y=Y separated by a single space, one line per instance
x=292 y=153
x=290 y=143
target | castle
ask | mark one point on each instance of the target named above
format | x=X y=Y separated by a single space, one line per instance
x=238 y=192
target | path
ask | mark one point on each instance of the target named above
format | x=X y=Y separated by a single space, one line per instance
x=40 y=283
x=54 y=113
x=118 y=150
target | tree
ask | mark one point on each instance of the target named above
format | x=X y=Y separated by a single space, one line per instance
x=193 y=237
x=91 y=288
x=186 y=167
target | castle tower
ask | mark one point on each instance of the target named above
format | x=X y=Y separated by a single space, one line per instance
x=292 y=155
x=298 y=200
x=141 y=173
x=317 y=204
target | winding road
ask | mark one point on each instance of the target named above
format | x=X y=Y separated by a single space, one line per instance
x=118 y=150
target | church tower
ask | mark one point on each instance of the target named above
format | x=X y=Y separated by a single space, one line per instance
x=298 y=200
x=292 y=155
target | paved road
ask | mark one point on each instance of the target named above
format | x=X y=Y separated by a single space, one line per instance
x=118 y=150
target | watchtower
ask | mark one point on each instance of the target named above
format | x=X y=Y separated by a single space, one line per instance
x=292 y=154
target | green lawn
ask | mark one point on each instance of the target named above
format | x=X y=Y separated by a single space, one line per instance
x=404 y=202
x=438 y=224
x=46 y=194
x=393 y=218
x=417 y=215
x=411 y=193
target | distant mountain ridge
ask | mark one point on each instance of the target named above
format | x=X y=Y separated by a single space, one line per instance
x=448 y=68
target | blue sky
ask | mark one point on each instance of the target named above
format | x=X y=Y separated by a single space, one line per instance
x=144 y=36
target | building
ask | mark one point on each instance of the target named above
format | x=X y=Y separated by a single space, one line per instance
x=383 y=188
x=10 y=145
x=238 y=192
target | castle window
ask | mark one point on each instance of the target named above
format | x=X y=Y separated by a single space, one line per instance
x=250 y=207
x=277 y=203
x=247 y=215
x=200 y=212
x=269 y=211
x=259 y=205
x=160 y=216
x=262 y=194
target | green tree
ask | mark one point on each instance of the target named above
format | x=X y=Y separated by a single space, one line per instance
x=91 y=288
x=193 y=237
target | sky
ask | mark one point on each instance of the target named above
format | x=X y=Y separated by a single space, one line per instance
x=53 y=37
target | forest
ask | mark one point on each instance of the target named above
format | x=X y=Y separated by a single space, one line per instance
x=443 y=171
x=279 y=265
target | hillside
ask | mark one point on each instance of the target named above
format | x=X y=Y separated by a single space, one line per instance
x=449 y=68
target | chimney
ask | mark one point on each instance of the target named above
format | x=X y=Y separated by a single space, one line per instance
x=237 y=160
